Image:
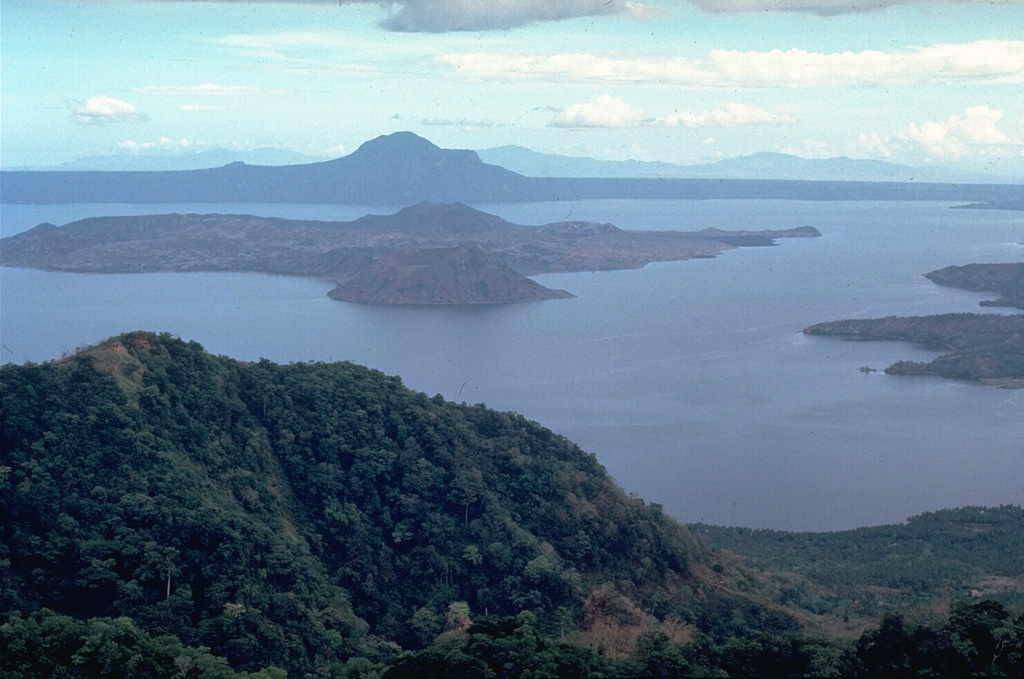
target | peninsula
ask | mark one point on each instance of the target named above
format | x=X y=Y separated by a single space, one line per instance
x=425 y=254
x=988 y=348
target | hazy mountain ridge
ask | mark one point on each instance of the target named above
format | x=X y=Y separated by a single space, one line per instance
x=199 y=160
x=404 y=169
x=524 y=161
x=764 y=165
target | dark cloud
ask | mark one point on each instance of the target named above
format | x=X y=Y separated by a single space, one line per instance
x=440 y=16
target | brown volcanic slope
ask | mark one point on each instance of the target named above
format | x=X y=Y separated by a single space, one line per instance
x=340 y=251
x=464 y=274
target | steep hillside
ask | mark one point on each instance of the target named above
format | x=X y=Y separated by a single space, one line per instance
x=299 y=515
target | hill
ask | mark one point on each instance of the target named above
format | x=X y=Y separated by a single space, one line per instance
x=299 y=515
x=403 y=169
x=380 y=259
x=464 y=274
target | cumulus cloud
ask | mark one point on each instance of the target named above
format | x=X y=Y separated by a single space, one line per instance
x=605 y=111
x=104 y=109
x=874 y=143
x=732 y=114
x=977 y=127
x=981 y=61
x=827 y=7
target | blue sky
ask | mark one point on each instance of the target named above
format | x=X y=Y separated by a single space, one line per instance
x=681 y=81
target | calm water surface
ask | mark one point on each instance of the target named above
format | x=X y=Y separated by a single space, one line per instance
x=690 y=381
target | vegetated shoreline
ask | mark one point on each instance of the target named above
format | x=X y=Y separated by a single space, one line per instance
x=984 y=348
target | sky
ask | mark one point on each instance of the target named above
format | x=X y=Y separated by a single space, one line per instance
x=681 y=81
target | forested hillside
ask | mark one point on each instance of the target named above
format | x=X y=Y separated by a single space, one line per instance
x=293 y=515
x=169 y=513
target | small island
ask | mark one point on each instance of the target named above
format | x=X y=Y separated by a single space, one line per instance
x=425 y=254
x=987 y=348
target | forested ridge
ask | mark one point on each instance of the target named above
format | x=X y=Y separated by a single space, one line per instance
x=165 y=512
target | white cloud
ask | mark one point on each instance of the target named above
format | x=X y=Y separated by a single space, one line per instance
x=164 y=144
x=605 y=111
x=637 y=10
x=827 y=7
x=613 y=112
x=104 y=109
x=975 y=129
x=981 y=61
x=874 y=143
x=207 y=89
x=732 y=114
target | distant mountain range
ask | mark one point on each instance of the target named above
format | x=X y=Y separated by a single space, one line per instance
x=405 y=169
x=756 y=166
x=531 y=163
x=202 y=160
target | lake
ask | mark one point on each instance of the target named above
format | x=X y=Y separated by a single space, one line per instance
x=690 y=381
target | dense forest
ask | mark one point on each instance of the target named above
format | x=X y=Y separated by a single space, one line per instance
x=165 y=512
x=933 y=558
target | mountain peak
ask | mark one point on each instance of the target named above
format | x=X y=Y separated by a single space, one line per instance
x=398 y=142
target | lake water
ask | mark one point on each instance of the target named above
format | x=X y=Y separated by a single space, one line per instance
x=691 y=381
